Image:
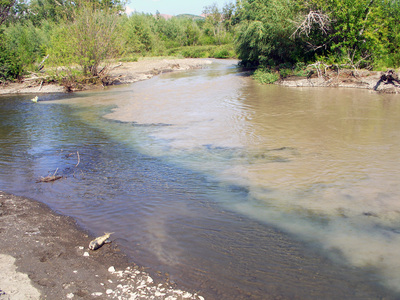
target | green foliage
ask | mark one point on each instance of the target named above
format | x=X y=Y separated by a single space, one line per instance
x=285 y=72
x=264 y=32
x=265 y=76
x=28 y=42
x=5 y=8
x=211 y=51
x=348 y=33
x=10 y=66
x=138 y=34
x=91 y=39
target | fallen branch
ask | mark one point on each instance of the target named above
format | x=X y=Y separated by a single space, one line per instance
x=41 y=84
x=79 y=159
x=50 y=178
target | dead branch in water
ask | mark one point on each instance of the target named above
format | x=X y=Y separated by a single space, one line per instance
x=79 y=159
x=50 y=178
x=77 y=154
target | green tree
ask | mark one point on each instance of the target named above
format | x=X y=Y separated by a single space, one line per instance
x=192 y=33
x=264 y=33
x=5 y=8
x=213 y=23
x=28 y=42
x=91 y=39
x=357 y=33
x=138 y=34
x=10 y=66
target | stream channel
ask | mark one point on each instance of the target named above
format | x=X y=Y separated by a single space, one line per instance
x=236 y=190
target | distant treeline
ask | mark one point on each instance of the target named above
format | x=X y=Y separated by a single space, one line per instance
x=82 y=36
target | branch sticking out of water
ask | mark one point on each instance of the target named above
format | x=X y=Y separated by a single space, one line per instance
x=50 y=178
x=79 y=159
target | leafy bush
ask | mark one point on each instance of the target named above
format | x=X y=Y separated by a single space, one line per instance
x=10 y=65
x=29 y=42
x=285 y=72
x=265 y=76
x=223 y=53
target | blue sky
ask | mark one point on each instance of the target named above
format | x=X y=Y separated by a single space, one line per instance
x=173 y=7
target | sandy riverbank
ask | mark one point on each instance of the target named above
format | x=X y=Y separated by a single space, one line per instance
x=146 y=68
x=44 y=255
x=121 y=73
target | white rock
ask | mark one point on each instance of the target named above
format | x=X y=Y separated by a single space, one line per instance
x=81 y=248
x=149 y=280
x=109 y=291
x=75 y=271
x=133 y=296
x=86 y=254
x=70 y=295
x=187 y=295
x=158 y=294
x=179 y=292
x=97 y=294
x=201 y=298
x=110 y=281
x=111 y=269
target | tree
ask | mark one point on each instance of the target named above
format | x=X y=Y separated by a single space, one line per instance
x=5 y=8
x=264 y=32
x=214 y=21
x=88 y=41
x=138 y=35
x=10 y=66
x=356 y=31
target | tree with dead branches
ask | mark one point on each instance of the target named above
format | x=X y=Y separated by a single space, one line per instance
x=314 y=20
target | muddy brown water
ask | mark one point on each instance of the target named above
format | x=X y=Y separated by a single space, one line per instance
x=234 y=189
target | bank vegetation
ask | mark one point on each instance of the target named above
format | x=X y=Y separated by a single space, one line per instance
x=78 y=41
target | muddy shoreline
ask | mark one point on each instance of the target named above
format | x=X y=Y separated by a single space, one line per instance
x=44 y=255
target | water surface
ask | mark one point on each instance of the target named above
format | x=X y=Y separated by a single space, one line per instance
x=234 y=189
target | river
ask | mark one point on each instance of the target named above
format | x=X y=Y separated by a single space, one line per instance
x=233 y=189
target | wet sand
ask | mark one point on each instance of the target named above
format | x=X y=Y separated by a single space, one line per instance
x=44 y=255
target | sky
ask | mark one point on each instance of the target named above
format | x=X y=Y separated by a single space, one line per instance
x=172 y=7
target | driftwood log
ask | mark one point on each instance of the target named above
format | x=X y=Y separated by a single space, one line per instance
x=389 y=77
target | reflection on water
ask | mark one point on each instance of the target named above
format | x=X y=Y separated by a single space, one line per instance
x=235 y=189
